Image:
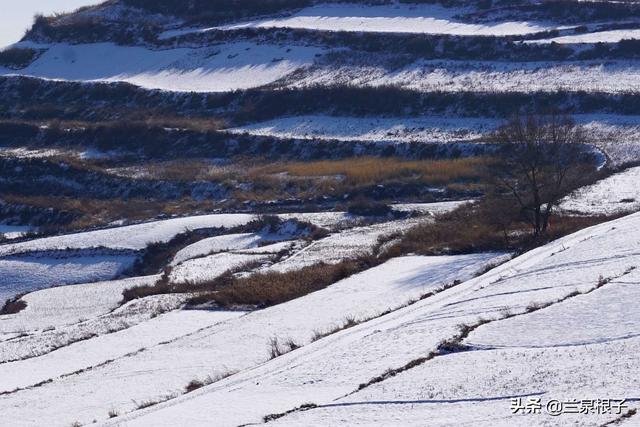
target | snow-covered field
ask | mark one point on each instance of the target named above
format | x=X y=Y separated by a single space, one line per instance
x=610 y=36
x=563 y=352
x=67 y=305
x=340 y=246
x=91 y=357
x=479 y=76
x=92 y=256
x=104 y=254
x=387 y=129
x=618 y=136
x=19 y=274
x=618 y=193
x=209 y=267
x=85 y=354
x=473 y=386
x=236 y=344
x=396 y=18
x=214 y=68
x=134 y=237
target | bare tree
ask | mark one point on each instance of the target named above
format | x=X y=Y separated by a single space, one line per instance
x=541 y=158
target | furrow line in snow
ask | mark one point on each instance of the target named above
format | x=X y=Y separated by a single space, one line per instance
x=455 y=343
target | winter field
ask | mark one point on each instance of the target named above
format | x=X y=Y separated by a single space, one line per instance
x=304 y=213
x=478 y=76
x=243 y=65
x=327 y=374
x=219 y=68
x=396 y=18
x=89 y=358
x=616 y=194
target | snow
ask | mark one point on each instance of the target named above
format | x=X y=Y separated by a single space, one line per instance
x=618 y=136
x=430 y=208
x=237 y=243
x=66 y=305
x=562 y=352
x=211 y=245
x=571 y=323
x=208 y=268
x=327 y=370
x=388 y=129
x=610 y=36
x=89 y=353
x=33 y=344
x=396 y=18
x=135 y=237
x=340 y=246
x=19 y=274
x=475 y=389
x=238 y=343
x=14 y=231
x=480 y=76
x=616 y=194
x=217 y=68
x=275 y=248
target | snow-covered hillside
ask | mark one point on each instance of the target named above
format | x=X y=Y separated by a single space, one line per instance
x=611 y=36
x=479 y=76
x=387 y=129
x=531 y=324
x=220 y=68
x=397 y=18
x=566 y=274
x=524 y=350
x=277 y=212
x=133 y=237
x=616 y=194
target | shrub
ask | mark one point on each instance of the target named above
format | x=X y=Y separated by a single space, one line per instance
x=196 y=384
x=17 y=58
x=271 y=288
x=193 y=386
x=13 y=306
x=364 y=207
x=218 y=10
x=277 y=348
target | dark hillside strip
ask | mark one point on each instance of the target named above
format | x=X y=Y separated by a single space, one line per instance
x=36 y=99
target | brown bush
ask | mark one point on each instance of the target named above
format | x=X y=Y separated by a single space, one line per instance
x=483 y=227
x=271 y=288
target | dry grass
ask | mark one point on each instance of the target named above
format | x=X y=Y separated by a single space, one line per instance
x=373 y=170
x=98 y=212
x=461 y=231
x=271 y=288
x=277 y=347
x=474 y=228
x=182 y=170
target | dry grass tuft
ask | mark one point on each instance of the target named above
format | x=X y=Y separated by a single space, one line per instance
x=271 y=288
x=372 y=170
